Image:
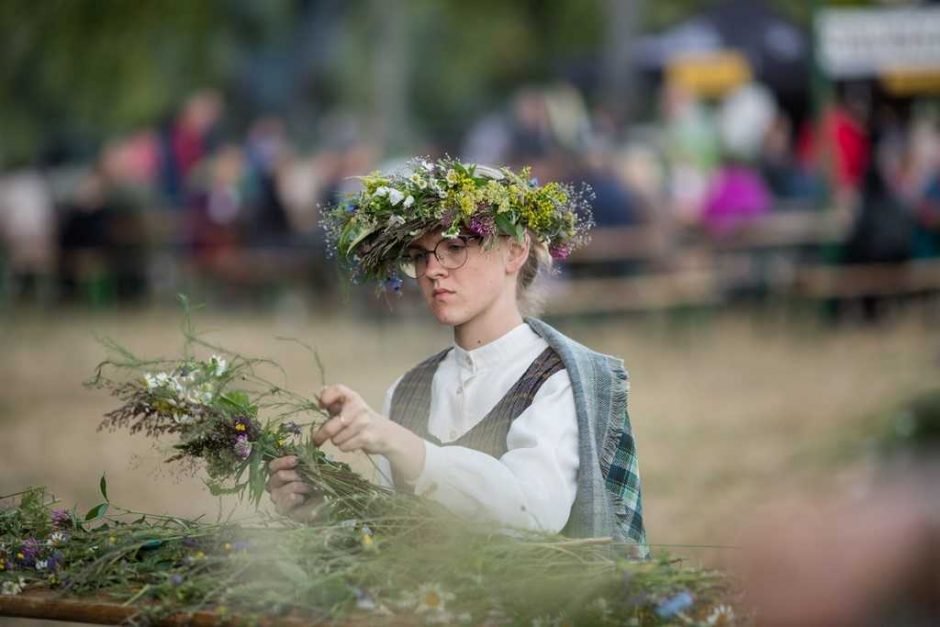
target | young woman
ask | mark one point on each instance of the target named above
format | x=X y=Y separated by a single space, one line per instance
x=516 y=423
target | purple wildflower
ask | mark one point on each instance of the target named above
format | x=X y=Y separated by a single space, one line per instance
x=482 y=226
x=61 y=518
x=559 y=251
x=534 y=181
x=28 y=552
x=56 y=560
x=176 y=579
x=242 y=447
x=290 y=427
x=352 y=207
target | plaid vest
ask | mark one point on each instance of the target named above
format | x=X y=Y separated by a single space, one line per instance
x=608 y=500
x=411 y=404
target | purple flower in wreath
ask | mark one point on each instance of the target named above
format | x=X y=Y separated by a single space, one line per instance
x=242 y=447
x=482 y=226
x=559 y=251
x=61 y=518
x=176 y=580
x=393 y=283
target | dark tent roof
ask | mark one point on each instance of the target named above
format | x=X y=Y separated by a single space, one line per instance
x=778 y=50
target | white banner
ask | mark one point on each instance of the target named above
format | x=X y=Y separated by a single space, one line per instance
x=858 y=43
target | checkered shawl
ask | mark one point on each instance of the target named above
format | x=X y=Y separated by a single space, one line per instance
x=608 y=499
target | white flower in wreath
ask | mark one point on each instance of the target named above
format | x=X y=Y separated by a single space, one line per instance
x=396 y=220
x=380 y=192
x=410 y=200
x=42 y=564
x=395 y=197
x=418 y=181
x=453 y=232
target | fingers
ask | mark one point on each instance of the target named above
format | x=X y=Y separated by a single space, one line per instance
x=282 y=478
x=334 y=397
x=282 y=463
x=332 y=427
x=289 y=496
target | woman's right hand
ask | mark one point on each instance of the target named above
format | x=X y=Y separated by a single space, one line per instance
x=288 y=491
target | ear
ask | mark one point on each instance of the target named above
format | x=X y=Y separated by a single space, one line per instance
x=517 y=253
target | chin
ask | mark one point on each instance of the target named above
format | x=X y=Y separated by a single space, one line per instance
x=449 y=315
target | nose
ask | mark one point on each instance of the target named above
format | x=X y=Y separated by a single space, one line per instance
x=435 y=268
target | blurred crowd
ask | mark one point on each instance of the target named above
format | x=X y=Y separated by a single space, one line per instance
x=191 y=200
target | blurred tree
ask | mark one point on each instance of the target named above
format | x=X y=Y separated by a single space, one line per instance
x=79 y=69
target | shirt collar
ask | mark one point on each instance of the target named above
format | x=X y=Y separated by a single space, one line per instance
x=497 y=352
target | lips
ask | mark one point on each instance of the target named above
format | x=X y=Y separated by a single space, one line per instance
x=440 y=292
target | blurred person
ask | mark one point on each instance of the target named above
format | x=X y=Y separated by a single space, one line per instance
x=840 y=146
x=188 y=140
x=779 y=165
x=736 y=197
x=215 y=210
x=744 y=118
x=265 y=152
x=530 y=127
x=691 y=148
x=504 y=426
x=27 y=231
x=103 y=236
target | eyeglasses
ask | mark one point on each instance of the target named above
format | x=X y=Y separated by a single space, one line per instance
x=450 y=252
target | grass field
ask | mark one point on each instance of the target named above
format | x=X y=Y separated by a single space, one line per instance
x=729 y=412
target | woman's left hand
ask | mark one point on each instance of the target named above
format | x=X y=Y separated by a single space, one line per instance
x=354 y=426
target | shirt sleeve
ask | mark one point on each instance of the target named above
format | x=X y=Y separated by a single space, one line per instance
x=532 y=486
x=383 y=468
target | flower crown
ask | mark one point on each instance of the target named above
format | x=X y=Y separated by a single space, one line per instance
x=370 y=230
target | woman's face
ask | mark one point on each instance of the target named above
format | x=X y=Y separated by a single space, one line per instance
x=456 y=296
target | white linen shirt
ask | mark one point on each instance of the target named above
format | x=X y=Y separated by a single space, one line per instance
x=533 y=485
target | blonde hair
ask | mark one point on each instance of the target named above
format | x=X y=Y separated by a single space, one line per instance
x=530 y=289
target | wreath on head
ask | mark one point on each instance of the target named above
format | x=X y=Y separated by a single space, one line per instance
x=370 y=230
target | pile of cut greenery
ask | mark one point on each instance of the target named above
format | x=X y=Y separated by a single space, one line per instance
x=405 y=566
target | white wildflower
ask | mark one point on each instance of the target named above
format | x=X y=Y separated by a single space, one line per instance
x=432 y=598
x=720 y=615
x=380 y=192
x=219 y=365
x=12 y=588
x=56 y=538
x=396 y=220
x=183 y=419
x=410 y=200
x=42 y=564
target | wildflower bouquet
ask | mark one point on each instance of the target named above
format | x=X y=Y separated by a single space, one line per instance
x=228 y=420
x=371 y=229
